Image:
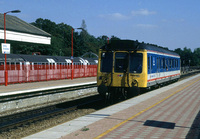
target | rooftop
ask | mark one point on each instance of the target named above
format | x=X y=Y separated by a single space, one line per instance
x=15 y=24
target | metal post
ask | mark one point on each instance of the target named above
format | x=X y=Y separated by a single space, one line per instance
x=72 y=70
x=6 y=72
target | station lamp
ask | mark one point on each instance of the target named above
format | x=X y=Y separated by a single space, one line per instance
x=6 y=72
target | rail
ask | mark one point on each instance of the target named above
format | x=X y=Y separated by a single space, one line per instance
x=47 y=114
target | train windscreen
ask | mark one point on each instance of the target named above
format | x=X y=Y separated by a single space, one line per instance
x=121 y=62
x=106 y=61
x=136 y=63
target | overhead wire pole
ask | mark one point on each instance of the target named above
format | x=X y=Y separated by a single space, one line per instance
x=72 y=57
x=72 y=67
x=6 y=72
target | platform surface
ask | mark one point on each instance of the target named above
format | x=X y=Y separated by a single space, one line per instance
x=43 y=85
x=169 y=112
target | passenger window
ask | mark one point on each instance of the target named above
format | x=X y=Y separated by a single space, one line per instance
x=158 y=63
x=153 y=63
x=149 y=64
x=164 y=63
x=161 y=63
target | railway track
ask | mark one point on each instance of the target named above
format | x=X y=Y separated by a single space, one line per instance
x=26 y=119
x=21 y=101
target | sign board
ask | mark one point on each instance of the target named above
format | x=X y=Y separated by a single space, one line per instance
x=5 y=47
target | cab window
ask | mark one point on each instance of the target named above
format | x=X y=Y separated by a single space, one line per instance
x=136 y=62
x=121 y=62
x=106 y=61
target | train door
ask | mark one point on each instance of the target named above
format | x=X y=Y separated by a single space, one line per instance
x=149 y=68
x=121 y=69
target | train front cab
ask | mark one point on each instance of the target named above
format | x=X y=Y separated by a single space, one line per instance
x=125 y=71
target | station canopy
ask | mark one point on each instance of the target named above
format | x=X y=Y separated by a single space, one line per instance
x=19 y=30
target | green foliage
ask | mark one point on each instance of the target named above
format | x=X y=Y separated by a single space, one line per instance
x=83 y=42
x=189 y=58
x=61 y=40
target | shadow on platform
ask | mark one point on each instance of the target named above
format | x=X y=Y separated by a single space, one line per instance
x=159 y=124
x=195 y=128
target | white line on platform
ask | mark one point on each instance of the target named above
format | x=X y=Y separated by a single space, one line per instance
x=44 y=89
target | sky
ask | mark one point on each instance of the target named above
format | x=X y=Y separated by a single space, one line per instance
x=168 y=23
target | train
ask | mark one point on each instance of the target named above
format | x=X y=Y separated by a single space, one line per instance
x=44 y=59
x=30 y=68
x=126 y=66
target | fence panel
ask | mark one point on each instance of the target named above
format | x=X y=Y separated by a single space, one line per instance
x=20 y=73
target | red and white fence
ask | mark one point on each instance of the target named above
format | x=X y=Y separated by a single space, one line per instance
x=18 y=73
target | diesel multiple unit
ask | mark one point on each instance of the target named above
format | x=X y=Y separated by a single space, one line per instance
x=126 y=66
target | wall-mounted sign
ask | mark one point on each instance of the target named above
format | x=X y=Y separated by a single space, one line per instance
x=5 y=47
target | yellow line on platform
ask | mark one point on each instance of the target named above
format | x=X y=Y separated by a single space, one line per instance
x=116 y=126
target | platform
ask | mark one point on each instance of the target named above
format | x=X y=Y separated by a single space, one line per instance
x=13 y=98
x=169 y=112
x=43 y=85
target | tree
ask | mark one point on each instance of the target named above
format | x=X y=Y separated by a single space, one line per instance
x=83 y=43
x=196 y=57
x=83 y=25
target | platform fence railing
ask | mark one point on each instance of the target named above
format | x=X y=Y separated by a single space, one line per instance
x=20 y=73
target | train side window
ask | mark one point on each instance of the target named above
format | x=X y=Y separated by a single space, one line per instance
x=12 y=66
x=149 y=64
x=23 y=66
x=164 y=63
x=172 y=62
x=153 y=63
x=168 y=64
x=158 y=63
x=31 y=67
x=175 y=63
x=161 y=63
x=17 y=66
x=1 y=65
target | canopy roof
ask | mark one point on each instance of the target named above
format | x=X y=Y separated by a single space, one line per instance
x=19 y=30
